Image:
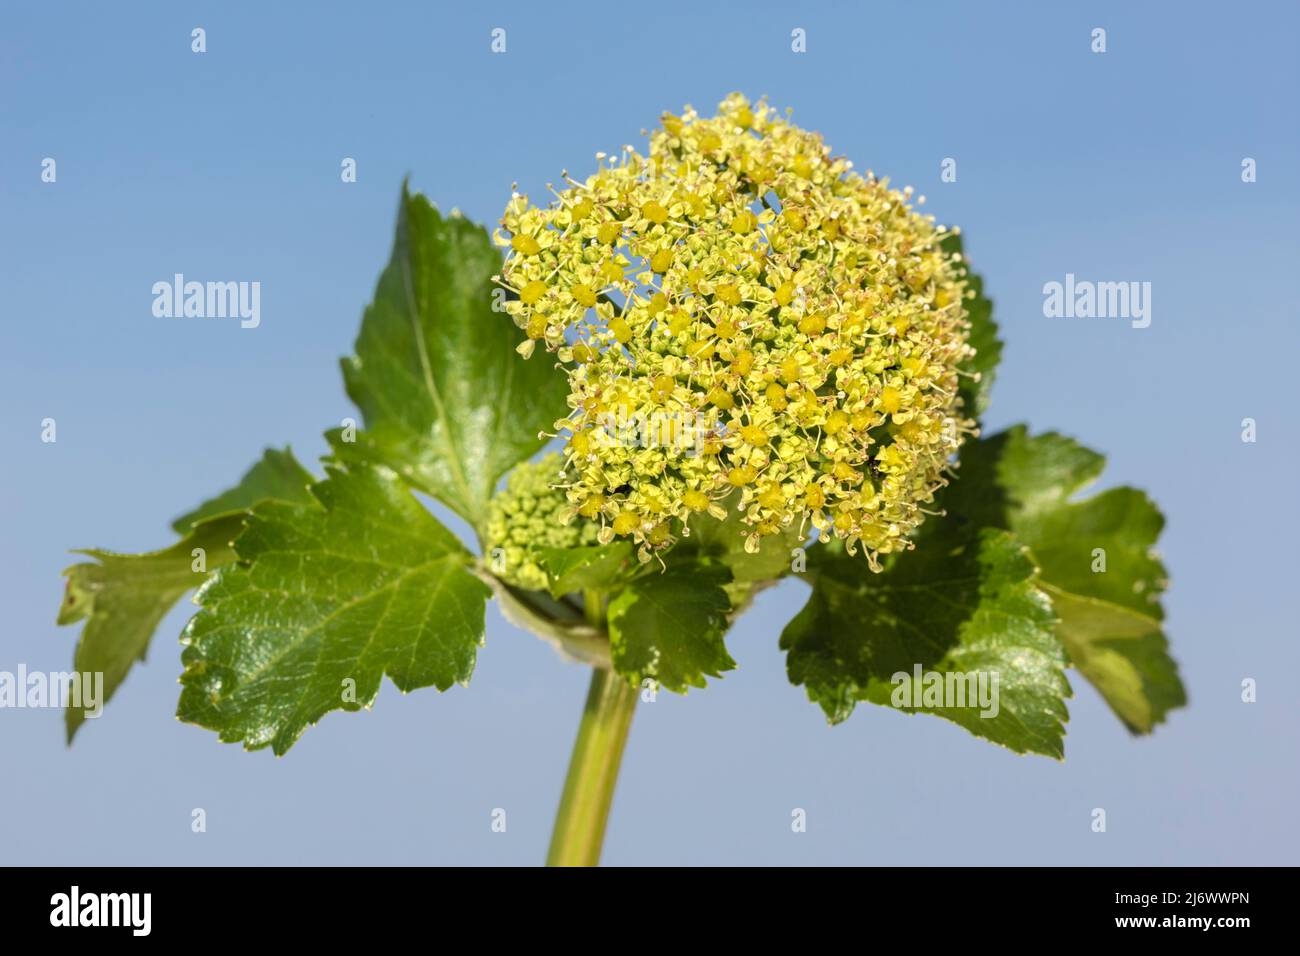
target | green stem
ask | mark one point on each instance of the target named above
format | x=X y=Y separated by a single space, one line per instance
x=593 y=768
x=593 y=605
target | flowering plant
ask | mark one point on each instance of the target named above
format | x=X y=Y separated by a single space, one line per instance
x=753 y=363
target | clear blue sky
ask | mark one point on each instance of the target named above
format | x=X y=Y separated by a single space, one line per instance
x=1122 y=166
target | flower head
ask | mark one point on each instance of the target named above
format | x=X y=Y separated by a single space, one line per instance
x=747 y=325
x=528 y=516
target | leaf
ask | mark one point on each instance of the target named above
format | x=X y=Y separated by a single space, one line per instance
x=123 y=597
x=961 y=605
x=1110 y=621
x=598 y=567
x=668 y=627
x=447 y=401
x=977 y=380
x=724 y=542
x=324 y=601
x=277 y=475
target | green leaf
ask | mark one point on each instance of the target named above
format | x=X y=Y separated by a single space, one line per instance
x=1110 y=620
x=598 y=567
x=668 y=627
x=724 y=542
x=123 y=597
x=324 y=601
x=278 y=475
x=447 y=401
x=964 y=605
x=978 y=370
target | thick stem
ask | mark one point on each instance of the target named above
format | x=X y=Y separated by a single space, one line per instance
x=593 y=768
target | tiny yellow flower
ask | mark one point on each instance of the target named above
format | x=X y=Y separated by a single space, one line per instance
x=741 y=475
x=743 y=223
x=655 y=212
x=626 y=522
x=729 y=293
x=533 y=291
x=695 y=500
x=721 y=398
x=812 y=325
x=525 y=245
x=622 y=331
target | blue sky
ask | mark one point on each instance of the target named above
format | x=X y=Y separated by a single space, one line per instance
x=1122 y=166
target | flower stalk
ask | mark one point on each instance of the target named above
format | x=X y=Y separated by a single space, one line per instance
x=579 y=831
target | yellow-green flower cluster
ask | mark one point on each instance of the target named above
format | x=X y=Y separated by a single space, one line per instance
x=527 y=516
x=799 y=320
